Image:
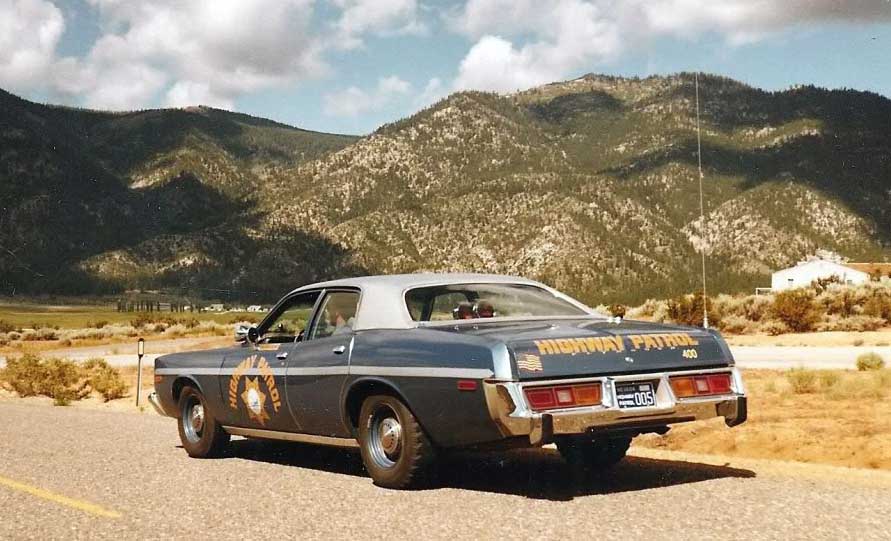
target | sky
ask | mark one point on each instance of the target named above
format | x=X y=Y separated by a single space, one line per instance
x=348 y=66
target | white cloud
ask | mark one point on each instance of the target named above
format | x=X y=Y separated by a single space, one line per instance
x=354 y=101
x=380 y=17
x=29 y=33
x=207 y=51
x=523 y=43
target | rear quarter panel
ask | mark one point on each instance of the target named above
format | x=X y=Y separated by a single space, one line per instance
x=449 y=416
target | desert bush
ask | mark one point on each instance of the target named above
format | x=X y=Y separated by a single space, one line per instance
x=851 y=324
x=735 y=324
x=97 y=324
x=802 y=380
x=24 y=374
x=829 y=378
x=870 y=361
x=618 y=310
x=14 y=335
x=63 y=381
x=796 y=308
x=878 y=305
x=105 y=379
x=42 y=334
x=772 y=327
x=688 y=310
x=141 y=320
x=190 y=323
x=7 y=327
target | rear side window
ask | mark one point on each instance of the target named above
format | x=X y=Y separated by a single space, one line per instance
x=475 y=301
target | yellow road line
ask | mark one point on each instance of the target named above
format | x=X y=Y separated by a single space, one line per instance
x=81 y=505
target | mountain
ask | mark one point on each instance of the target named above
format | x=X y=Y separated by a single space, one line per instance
x=590 y=185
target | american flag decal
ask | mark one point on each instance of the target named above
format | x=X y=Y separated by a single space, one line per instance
x=529 y=362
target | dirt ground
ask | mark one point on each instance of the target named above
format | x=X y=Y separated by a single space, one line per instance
x=845 y=421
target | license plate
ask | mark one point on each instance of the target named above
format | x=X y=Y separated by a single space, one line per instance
x=635 y=395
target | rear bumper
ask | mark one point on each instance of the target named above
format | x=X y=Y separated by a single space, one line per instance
x=156 y=403
x=508 y=408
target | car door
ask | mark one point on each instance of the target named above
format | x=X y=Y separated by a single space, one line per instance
x=318 y=368
x=253 y=379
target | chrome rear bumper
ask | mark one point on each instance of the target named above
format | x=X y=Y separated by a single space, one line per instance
x=510 y=411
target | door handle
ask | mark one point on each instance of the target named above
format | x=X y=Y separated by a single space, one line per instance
x=282 y=355
x=339 y=350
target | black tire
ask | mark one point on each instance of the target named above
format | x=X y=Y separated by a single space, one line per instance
x=202 y=438
x=587 y=455
x=395 y=455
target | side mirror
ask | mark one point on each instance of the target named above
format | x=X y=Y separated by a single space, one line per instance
x=245 y=333
x=241 y=332
x=253 y=335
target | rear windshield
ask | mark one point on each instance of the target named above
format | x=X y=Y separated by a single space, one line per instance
x=473 y=301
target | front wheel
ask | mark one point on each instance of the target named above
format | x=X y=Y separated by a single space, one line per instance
x=395 y=450
x=201 y=435
x=588 y=455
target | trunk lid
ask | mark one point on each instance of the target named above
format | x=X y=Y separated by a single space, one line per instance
x=594 y=347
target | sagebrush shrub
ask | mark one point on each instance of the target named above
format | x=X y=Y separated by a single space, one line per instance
x=105 y=379
x=802 y=380
x=796 y=308
x=688 y=310
x=870 y=361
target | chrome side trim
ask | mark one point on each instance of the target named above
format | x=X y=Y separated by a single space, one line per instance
x=290 y=436
x=407 y=371
x=421 y=372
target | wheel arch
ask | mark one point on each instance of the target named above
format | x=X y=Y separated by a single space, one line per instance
x=179 y=384
x=361 y=389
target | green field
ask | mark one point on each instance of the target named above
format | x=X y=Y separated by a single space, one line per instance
x=30 y=315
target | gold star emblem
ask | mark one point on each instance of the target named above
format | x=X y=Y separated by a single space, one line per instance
x=255 y=400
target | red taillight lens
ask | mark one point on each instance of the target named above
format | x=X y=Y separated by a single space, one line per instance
x=719 y=383
x=712 y=384
x=541 y=398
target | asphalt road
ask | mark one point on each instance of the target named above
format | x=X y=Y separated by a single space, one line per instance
x=782 y=357
x=78 y=473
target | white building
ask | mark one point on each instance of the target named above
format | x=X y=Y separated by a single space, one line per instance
x=255 y=308
x=802 y=274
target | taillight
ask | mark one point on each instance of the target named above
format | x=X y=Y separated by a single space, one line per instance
x=564 y=396
x=704 y=385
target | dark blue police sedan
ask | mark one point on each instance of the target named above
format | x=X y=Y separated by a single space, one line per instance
x=406 y=366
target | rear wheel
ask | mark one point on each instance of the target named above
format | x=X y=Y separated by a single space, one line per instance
x=199 y=432
x=395 y=450
x=585 y=454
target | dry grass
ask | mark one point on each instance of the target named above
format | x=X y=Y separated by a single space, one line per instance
x=844 y=420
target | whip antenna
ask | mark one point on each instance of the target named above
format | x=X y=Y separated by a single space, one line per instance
x=701 y=206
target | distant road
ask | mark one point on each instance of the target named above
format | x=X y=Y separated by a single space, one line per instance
x=805 y=356
x=773 y=357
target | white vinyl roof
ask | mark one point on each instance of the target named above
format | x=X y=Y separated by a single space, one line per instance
x=382 y=301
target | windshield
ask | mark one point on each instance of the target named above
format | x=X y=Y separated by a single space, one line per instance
x=473 y=301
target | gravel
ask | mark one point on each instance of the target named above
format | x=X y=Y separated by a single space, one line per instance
x=133 y=464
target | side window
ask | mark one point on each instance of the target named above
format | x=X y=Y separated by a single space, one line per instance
x=337 y=314
x=291 y=321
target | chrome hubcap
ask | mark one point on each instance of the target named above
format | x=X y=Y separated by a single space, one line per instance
x=385 y=437
x=390 y=436
x=198 y=417
x=193 y=420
